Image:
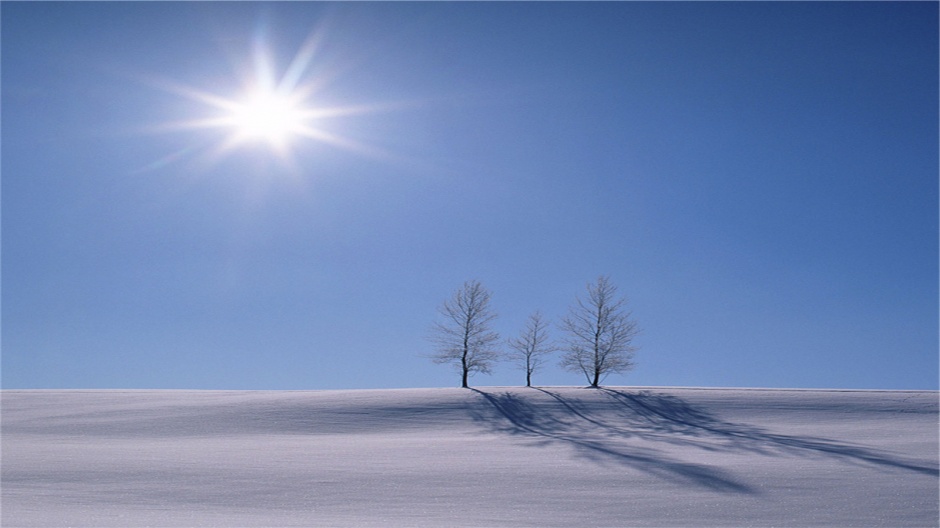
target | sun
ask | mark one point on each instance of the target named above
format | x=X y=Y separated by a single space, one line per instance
x=268 y=116
x=271 y=110
x=275 y=108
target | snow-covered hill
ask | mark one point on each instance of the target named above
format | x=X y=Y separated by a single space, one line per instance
x=482 y=457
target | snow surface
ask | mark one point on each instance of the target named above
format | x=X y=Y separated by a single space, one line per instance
x=483 y=457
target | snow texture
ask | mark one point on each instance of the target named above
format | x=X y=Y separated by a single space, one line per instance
x=554 y=456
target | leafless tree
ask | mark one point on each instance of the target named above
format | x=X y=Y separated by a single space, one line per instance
x=532 y=346
x=464 y=338
x=600 y=334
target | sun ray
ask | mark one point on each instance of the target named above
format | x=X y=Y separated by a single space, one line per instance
x=301 y=61
x=270 y=109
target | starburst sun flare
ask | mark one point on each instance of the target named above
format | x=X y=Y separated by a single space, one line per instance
x=269 y=116
x=271 y=110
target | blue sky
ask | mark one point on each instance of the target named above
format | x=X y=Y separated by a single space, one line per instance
x=759 y=179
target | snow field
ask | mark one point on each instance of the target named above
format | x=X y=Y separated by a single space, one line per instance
x=493 y=456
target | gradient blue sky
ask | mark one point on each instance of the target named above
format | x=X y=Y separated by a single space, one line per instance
x=759 y=179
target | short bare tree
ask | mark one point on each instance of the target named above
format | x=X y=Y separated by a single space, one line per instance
x=464 y=338
x=532 y=346
x=600 y=334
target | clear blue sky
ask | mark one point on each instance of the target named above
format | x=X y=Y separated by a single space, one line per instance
x=759 y=179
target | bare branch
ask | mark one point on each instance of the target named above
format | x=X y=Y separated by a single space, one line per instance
x=464 y=338
x=600 y=334
x=532 y=346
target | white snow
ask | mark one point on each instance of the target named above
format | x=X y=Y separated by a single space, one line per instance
x=494 y=456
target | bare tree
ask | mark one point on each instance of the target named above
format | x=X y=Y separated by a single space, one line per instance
x=464 y=337
x=600 y=334
x=532 y=346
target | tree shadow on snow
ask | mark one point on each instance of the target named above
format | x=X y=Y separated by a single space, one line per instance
x=601 y=430
x=554 y=427
x=668 y=415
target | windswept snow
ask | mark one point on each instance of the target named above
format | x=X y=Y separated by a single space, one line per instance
x=482 y=457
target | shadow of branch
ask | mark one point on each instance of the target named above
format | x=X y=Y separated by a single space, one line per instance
x=522 y=418
x=669 y=414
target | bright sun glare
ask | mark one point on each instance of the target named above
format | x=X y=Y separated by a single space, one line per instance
x=267 y=116
x=272 y=110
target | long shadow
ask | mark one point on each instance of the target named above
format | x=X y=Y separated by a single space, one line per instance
x=525 y=419
x=601 y=435
x=669 y=414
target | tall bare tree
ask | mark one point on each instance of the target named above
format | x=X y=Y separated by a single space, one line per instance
x=600 y=334
x=464 y=338
x=532 y=346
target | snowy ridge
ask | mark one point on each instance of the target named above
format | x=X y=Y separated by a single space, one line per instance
x=489 y=456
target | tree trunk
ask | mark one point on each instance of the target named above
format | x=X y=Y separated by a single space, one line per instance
x=466 y=352
x=597 y=351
